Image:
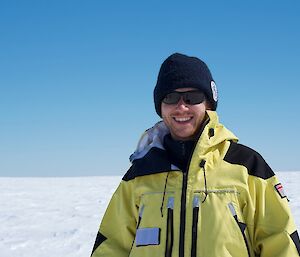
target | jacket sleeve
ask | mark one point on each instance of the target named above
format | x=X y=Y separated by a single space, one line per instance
x=117 y=230
x=274 y=228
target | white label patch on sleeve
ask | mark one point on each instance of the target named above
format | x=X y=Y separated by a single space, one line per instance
x=280 y=191
x=147 y=236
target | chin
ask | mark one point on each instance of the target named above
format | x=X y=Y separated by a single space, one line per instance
x=183 y=137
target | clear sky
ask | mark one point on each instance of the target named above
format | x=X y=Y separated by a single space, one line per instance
x=77 y=78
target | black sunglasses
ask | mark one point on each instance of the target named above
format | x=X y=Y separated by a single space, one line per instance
x=189 y=97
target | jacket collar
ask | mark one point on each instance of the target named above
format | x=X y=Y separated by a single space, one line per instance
x=213 y=134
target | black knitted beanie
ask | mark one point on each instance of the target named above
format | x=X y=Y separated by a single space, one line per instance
x=179 y=71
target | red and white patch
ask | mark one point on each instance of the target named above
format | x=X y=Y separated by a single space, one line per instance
x=280 y=191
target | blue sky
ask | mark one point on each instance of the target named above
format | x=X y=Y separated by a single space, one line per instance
x=76 y=78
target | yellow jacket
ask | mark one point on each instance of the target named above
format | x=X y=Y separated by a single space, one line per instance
x=228 y=204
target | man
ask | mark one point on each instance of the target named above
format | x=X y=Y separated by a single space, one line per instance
x=192 y=190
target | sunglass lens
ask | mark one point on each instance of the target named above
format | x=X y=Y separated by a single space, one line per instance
x=172 y=98
x=194 y=97
x=190 y=97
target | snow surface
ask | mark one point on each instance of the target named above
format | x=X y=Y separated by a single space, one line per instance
x=60 y=216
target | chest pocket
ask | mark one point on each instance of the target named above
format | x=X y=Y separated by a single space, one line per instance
x=220 y=225
x=154 y=232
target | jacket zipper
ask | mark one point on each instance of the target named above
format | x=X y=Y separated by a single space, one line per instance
x=183 y=196
x=196 y=203
x=170 y=228
x=241 y=225
x=183 y=206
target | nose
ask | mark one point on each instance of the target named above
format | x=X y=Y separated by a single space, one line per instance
x=181 y=105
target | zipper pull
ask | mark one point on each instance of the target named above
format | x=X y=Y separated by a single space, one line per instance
x=202 y=164
x=232 y=209
x=171 y=203
x=211 y=132
x=170 y=228
x=196 y=202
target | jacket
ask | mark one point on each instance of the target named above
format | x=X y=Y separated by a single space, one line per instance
x=227 y=203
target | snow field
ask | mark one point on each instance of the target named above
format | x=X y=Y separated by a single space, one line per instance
x=60 y=216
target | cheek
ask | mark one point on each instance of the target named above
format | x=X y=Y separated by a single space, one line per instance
x=199 y=112
x=165 y=110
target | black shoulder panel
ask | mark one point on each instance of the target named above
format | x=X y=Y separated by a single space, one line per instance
x=99 y=240
x=295 y=238
x=155 y=161
x=253 y=161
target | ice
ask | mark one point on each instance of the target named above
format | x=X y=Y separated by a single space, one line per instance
x=60 y=216
x=52 y=216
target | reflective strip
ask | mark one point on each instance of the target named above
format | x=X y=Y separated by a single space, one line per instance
x=141 y=211
x=140 y=215
x=221 y=191
x=170 y=203
x=147 y=236
x=231 y=208
x=196 y=201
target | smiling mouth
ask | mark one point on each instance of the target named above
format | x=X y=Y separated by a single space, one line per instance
x=183 y=119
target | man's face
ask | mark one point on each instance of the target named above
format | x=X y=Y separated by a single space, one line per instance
x=183 y=119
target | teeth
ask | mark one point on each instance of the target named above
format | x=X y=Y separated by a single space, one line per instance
x=182 y=119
